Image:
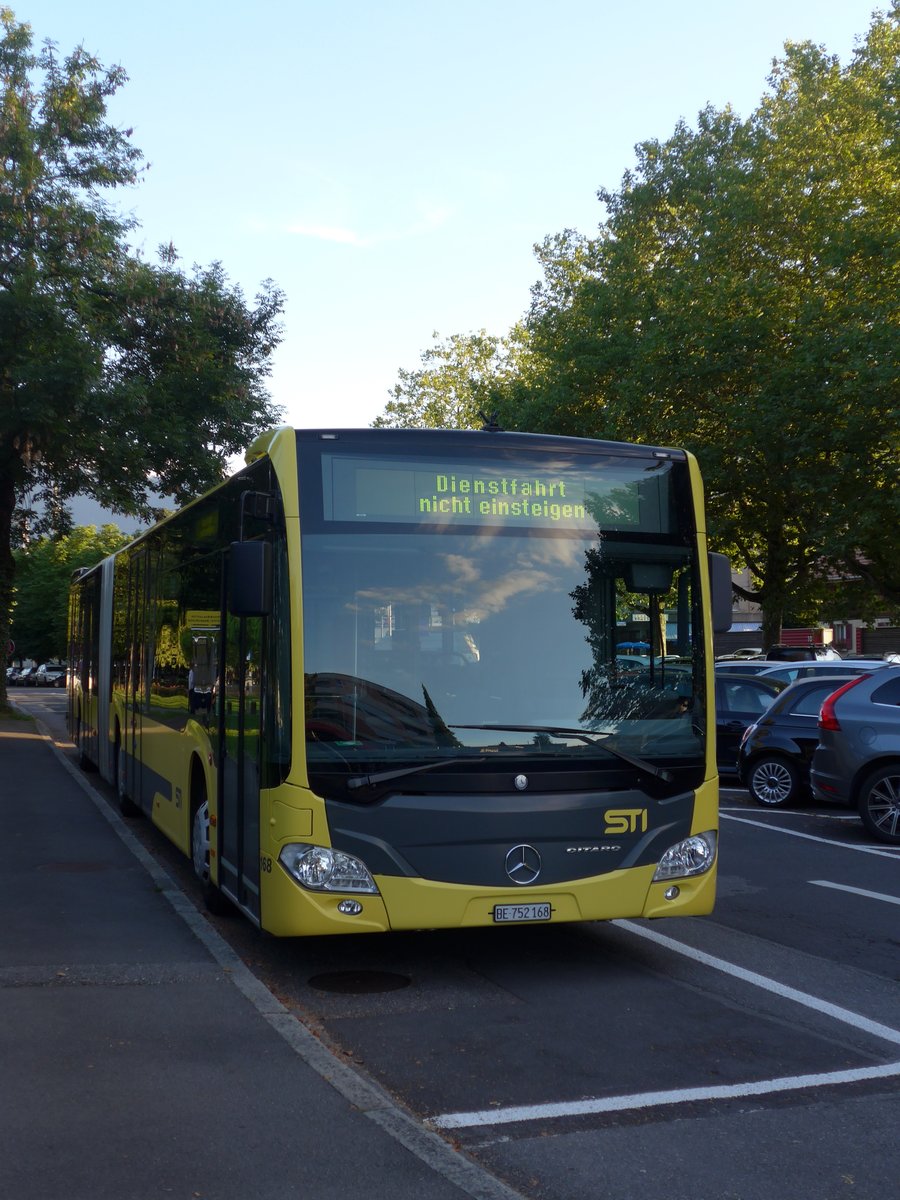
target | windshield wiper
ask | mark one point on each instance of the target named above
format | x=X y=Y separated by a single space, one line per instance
x=359 y=781
x=586 y=735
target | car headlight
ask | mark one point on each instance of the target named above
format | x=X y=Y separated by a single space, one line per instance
x=323 y=870
x=693 y=856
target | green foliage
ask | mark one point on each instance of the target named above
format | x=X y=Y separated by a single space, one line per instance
x=741 y=300
x=43 y=574
x=119 y=378
x=454 y=386
x=464 y=379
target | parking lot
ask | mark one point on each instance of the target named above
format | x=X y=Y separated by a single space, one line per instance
x=754 y=1053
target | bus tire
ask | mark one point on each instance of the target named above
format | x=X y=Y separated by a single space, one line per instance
x=83 y=761
x=127 y=806
x=214 y=900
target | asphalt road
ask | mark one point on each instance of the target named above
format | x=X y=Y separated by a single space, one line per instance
x=744 y=1056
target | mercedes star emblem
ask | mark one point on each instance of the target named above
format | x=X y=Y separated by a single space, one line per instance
x=523 y=864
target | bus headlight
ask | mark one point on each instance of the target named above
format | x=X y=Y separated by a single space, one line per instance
x=324 y=870
x=694 y=856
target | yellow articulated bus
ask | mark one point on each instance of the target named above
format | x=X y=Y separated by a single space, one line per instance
x=405 y=679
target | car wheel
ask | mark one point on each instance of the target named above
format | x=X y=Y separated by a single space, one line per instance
x=773 y=782
x=879 y=803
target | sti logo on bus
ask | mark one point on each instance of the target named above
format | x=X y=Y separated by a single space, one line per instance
x=625 y=820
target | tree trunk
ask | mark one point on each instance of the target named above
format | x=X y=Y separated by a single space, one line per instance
x=7 y=574
x=771 y=626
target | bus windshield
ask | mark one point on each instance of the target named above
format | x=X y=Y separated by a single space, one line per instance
x=476 y=631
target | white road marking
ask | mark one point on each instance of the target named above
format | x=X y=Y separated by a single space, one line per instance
x=825 y=1007
x=580 y=1108
x=761 y=1087
x=843 y=887
x=809 y=837
x=825 y=814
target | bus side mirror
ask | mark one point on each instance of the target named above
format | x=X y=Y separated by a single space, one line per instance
x=720 y=591
x=250 y=579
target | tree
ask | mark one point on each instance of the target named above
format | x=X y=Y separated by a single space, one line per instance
x=43 y=574
x=740 y=299
x=453 y=388
x=118 y=378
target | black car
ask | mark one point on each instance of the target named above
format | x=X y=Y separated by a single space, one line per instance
x=740 y=701
x=777 y=750
x=800 y=653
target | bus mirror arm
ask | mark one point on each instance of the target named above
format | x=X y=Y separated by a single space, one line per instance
x=720 y=589
x=250 y=579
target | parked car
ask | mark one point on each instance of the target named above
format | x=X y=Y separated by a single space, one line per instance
x=49 y=675
x=740 y=701
x=743 y=652
x=788 y=672
x=24 y=677
x=743 y=666
x=777 y=750
x=857 y=760
x=800 y=653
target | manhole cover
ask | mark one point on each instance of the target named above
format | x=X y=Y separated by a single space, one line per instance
x=359 y=983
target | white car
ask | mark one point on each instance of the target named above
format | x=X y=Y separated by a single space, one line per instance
x=49 y=675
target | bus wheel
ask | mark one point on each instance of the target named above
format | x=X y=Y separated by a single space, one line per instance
x=127 y=806
x=83 y=761
x=200 y=844
x=213 y=898
x=773 y=782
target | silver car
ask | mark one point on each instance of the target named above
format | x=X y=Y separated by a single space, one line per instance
x=789 y=672
x=857 y=760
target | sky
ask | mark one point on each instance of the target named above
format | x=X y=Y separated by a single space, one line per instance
x=391 y=165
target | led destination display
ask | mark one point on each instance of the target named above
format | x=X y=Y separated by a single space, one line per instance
x=504 y=496
x=489 y=493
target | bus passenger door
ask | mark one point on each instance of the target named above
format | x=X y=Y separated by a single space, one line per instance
x=240 y=749
x=129 y=766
